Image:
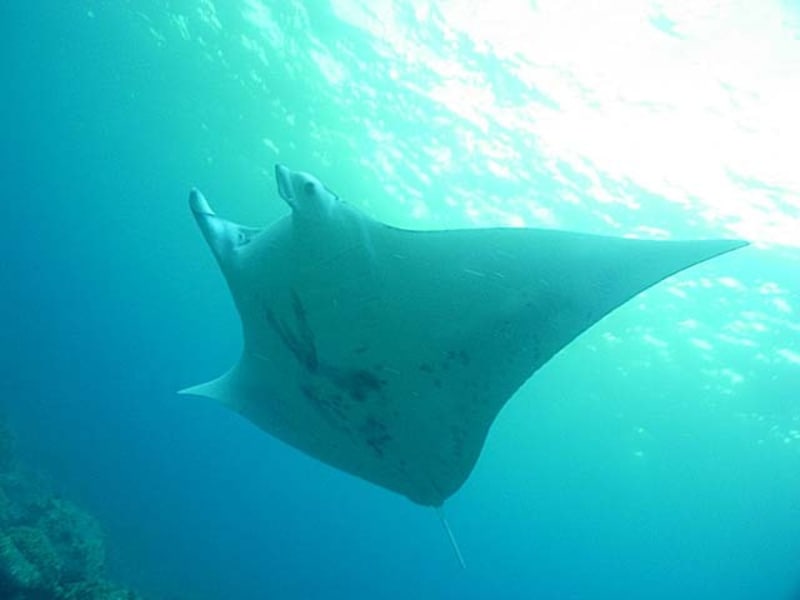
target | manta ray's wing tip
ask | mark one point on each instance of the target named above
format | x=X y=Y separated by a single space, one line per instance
x=194 y=390
x=734 y=244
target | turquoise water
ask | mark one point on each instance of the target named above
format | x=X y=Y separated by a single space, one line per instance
x=657 y=456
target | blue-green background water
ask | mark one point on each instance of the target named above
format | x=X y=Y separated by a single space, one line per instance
x=657 y=456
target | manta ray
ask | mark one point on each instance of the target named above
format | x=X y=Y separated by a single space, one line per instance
x=386 y=352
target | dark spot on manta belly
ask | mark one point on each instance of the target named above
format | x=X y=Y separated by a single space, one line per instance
x=328 y=405
x=458 y=356
x=310 y=393
x=375 y=434
x=357 y=383
x=299 y=339
x=458 y=437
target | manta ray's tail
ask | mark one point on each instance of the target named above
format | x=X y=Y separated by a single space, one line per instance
x=450 y=536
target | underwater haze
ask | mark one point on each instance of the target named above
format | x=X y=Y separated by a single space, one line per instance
x=657 y=456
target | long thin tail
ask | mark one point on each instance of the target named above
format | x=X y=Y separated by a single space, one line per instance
x=451 y=537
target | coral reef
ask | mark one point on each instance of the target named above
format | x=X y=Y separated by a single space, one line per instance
x=49 y=548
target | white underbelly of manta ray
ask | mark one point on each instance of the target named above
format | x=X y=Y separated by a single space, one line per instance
x=387 y=353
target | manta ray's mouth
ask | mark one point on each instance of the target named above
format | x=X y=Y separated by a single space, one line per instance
x=283 y=177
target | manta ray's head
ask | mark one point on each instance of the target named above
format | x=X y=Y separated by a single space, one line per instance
x=304 y=193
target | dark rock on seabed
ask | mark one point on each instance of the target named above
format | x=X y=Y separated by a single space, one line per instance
x=49 y=548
